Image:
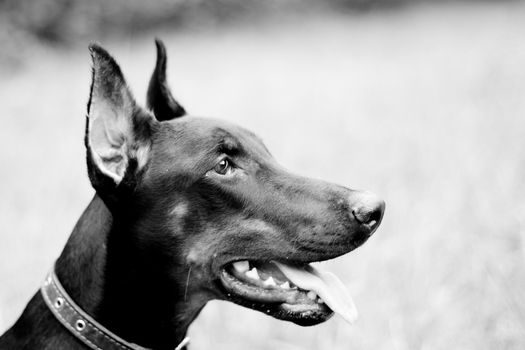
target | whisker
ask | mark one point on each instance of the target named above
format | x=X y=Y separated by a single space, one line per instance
x=187 y=282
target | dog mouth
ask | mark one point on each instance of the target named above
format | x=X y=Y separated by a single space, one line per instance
x=303 y=294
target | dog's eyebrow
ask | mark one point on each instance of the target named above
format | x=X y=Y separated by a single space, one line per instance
x=229 y=146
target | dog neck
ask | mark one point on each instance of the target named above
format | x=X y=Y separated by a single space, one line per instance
x=124 y=292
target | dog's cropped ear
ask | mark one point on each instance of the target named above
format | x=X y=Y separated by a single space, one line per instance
x=160 y=99
x=118 y=131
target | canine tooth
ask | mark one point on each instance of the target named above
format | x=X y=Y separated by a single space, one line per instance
x=320 y=301
x=285 y=285
x=311 y=295
x=253 y=274
x=241 y=266
x=269 y=282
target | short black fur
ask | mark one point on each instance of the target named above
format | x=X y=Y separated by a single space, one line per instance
x=148 y=252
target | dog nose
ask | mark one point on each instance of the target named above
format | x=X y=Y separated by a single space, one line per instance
x=368 y=209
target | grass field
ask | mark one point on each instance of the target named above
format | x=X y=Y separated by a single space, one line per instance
x=424 y=106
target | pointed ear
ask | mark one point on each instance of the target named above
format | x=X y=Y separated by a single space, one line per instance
x=160 y=99
x=117 y=130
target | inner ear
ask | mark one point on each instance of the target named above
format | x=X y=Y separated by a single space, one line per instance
x=160 y=99
x=118 y=129
x=108 y=139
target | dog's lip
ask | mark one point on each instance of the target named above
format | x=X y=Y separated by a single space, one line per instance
x=304 y=314
x=265 y=283
x=293 y=285
x=257 y=293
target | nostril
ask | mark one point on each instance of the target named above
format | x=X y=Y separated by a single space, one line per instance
x=369 y=211
x=370 y=218
x=375 y=216
x=364 y=216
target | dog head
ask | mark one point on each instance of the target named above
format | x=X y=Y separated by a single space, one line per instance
x=205 y=208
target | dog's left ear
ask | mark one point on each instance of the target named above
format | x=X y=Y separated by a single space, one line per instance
x=160 y=99
x=118 y=131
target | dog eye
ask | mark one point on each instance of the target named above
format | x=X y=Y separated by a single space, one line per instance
x=224 y=167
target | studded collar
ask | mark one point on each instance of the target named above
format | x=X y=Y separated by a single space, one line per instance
x=80 y=324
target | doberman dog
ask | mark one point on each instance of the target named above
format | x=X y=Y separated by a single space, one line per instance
x=187 y=210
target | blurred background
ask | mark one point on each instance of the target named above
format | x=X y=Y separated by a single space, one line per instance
x=422 y=102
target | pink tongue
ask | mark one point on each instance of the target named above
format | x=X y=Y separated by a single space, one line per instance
x=327 y=285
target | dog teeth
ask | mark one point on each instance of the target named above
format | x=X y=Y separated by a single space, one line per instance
x=253 y=274
x=320 y=301
x=311 y=295
x=285 y=285
x=241 y=266
x=269 y=282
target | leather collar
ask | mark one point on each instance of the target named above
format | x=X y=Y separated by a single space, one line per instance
x=80 y=324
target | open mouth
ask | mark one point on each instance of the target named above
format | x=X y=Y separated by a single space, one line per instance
x=299 y=293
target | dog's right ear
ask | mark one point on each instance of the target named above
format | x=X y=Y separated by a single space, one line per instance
x=118 y=131
x=160 y=99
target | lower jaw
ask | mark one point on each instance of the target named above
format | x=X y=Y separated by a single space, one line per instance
x=304 y=317
x=289 y=312
x=301 y=311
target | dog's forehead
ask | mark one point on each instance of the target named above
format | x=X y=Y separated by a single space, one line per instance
x=206 y=134
x=190 y=146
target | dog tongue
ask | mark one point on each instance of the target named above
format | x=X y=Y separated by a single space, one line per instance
x=327 y=285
